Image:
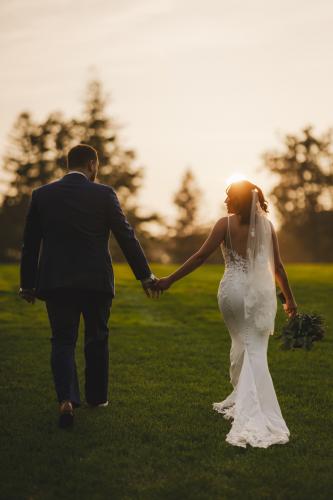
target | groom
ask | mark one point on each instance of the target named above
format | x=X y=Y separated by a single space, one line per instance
x=66 y=262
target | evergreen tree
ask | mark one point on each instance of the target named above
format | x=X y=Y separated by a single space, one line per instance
x=186 y=235
x=118 y=165
x=303 y=194
x=187 y=201
x=36 y=156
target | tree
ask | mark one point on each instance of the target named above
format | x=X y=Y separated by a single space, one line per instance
x=118 y=165
x=187 y=201
x=186 y=235
x=36 y=156
x=303 y=194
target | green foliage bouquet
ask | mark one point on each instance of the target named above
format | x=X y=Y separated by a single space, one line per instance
x=302 y=331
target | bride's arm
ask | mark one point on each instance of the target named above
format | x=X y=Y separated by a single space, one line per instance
x=282 y=278
x=198 y=258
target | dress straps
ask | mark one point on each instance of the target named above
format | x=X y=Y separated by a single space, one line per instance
x=229 y=235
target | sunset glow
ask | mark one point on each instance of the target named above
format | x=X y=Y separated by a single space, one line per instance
x=236 y=177
x=205 y=87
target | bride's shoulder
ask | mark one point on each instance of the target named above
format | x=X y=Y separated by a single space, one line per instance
x=222 y=221
x=221 y=224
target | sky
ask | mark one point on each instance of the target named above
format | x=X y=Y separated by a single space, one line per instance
x=207 y=85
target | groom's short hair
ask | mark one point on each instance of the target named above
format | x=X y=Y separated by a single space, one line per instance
x=79 y=156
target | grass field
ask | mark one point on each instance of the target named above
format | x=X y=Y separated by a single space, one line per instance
x=159 y=438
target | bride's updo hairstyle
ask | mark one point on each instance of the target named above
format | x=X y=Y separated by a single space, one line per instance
x=240 y=197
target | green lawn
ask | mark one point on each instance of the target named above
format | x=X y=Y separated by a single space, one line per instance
x=159 y=438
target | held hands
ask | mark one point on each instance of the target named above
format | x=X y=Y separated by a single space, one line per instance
x=149 y=287
x=154 y=287
x=163 y=284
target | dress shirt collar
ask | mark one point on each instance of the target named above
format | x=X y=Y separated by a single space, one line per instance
x=77 y=172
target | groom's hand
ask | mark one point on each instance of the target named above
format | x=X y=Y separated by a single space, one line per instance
x=28 y=294
x=149 y=287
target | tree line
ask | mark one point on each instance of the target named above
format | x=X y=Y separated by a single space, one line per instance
x=302 y=196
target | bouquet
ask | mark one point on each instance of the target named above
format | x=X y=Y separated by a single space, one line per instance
x=302 y=330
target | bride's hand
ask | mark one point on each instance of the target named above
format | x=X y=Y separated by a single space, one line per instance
x=290 y=308
x=163 y=284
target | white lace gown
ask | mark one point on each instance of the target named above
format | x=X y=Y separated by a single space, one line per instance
x=252 y=405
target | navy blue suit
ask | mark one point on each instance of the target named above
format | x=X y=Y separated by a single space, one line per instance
x=65 y=257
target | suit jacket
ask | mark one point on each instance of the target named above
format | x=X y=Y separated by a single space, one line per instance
x=66 y=235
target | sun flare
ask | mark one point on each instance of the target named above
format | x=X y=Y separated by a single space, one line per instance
x=237 y=176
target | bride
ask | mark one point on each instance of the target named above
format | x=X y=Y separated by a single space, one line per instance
x=247 y=301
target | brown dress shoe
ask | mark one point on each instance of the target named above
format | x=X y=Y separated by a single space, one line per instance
x=66 y=417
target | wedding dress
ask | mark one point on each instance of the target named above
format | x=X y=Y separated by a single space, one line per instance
x=247 y=301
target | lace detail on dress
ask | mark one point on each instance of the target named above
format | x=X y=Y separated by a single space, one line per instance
x=233 y=261
x=234 y=276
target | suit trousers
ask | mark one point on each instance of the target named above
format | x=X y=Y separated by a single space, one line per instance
x=64 y=309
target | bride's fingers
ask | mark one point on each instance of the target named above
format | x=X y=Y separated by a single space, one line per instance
x=292 y=311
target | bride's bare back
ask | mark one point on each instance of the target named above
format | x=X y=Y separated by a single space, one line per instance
x=236 y=235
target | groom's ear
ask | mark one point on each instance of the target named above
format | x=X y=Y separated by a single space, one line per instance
x=92 y=165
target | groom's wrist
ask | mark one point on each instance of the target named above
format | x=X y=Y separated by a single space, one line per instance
x=149 y=279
